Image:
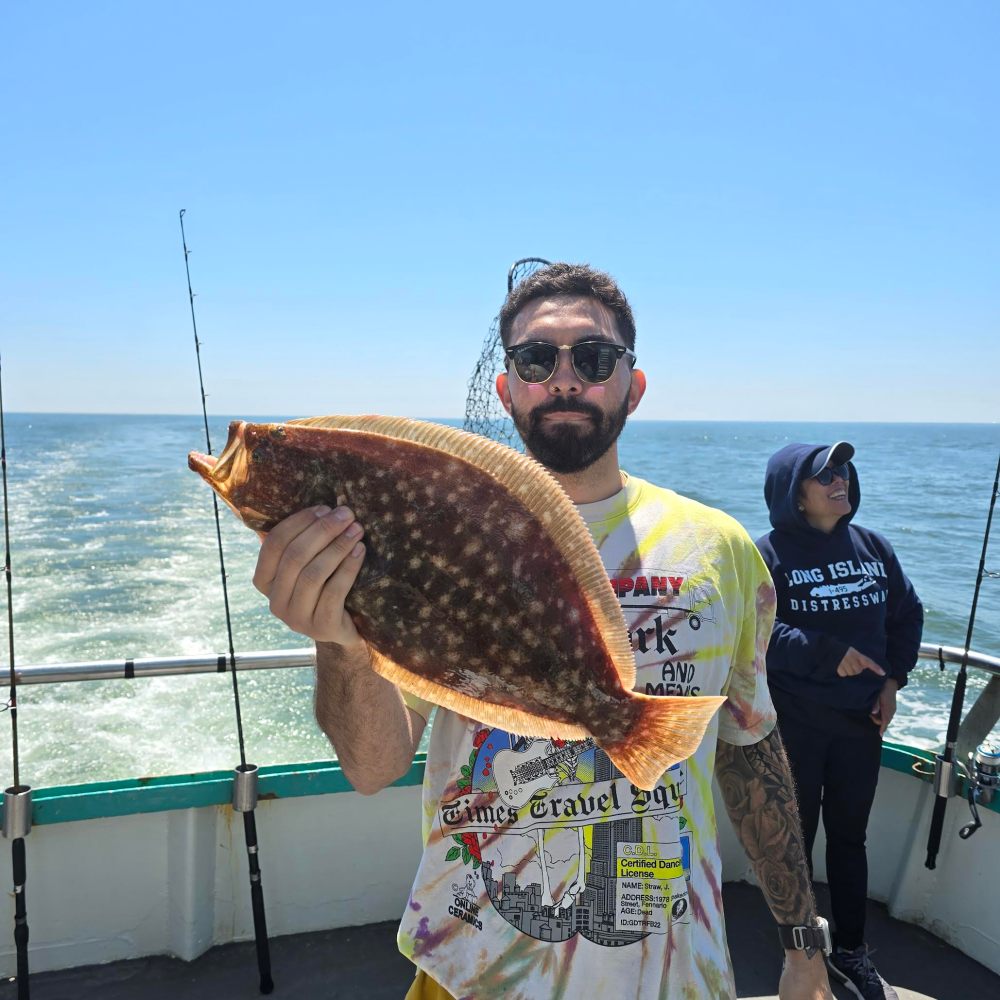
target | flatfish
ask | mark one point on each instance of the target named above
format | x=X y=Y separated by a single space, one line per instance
x=481 y=590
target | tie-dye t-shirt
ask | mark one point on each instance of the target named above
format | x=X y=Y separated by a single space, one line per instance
x=545 y=873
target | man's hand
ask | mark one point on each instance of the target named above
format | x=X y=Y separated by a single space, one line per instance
x=306 y=567
x=804 y=978
x=885 y=706
x=854 y=662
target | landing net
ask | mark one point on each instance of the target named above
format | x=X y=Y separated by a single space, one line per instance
x=483 y=412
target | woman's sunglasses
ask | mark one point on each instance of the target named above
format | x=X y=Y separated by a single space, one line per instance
x=825 y=476
x=594 y=361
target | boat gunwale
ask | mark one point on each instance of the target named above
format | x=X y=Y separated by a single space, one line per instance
x=162 y=793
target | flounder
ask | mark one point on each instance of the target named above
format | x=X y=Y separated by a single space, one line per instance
x=481 y=590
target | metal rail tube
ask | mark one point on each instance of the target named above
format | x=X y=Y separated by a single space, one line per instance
x=274 y=659
x=954 y=654
x=163 y=666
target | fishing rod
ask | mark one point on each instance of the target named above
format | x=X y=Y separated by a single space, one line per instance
x=944 y=771
x=245 y=775
x=17 y=798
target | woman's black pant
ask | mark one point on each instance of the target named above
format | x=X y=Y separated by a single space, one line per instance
x=835 y=758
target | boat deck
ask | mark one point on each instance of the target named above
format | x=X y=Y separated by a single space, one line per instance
x=361 y=963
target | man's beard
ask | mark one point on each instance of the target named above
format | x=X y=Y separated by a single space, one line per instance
x=570 y=447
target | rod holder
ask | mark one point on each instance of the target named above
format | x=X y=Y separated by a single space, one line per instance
x=245 y=788
x=17 y=811
x=944 y=777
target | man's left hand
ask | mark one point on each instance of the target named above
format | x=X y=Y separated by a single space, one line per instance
x=804 y=978
x=885 y=706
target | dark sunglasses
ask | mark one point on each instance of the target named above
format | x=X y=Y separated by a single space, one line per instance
x=593 y=360
x=825 y=476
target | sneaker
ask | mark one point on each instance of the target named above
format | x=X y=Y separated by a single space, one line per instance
x=851 y=967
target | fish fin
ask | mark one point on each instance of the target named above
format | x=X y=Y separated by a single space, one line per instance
x=222 y=488
x=228 y=469
x=667 y=731
x=536 y=488
x=201 y=463
x=511 y=720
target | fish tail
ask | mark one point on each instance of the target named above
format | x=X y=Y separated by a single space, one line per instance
x=666 y=731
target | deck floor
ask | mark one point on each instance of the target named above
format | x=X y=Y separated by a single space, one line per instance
x=361 y=963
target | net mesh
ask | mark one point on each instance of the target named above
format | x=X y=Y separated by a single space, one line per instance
x=483 y=412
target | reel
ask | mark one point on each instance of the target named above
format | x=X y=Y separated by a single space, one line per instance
x=983 y=772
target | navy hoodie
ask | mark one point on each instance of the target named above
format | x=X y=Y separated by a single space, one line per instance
x=834 y=591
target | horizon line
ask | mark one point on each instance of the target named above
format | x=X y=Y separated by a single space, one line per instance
x=634 y=420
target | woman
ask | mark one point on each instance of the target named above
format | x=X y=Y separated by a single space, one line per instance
x=846 y=636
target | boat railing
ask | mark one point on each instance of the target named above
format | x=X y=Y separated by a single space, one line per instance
x=163 y=666
x=976 y=726
x=275 y=659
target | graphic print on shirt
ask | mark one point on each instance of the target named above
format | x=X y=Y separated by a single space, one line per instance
x=837 y=586
x=576 y=848
x=694 y=605
x=564 y=843
x=661 y=627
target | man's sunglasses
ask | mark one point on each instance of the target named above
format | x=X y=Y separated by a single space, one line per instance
x=825 y=476
x=594 y=361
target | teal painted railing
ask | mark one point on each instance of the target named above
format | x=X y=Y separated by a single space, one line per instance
x=104 y=799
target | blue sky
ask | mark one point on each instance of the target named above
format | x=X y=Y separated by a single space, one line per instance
x=800 y=201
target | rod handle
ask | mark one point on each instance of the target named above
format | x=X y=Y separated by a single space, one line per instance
x=20 y=867
x=19 y=861
x=934 y=838
x=257 y=905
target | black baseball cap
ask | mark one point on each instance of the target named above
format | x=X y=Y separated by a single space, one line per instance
x=836 y=454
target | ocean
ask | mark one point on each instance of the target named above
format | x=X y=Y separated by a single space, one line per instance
x=114 y=555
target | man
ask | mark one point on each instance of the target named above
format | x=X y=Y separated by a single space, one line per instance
x=544 y=872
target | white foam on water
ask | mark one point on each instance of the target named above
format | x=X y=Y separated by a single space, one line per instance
x=127 y=567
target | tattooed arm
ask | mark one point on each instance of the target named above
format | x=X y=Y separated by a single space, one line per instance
x=757 y=787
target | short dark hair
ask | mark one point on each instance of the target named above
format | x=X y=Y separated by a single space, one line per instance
x=577 y=280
